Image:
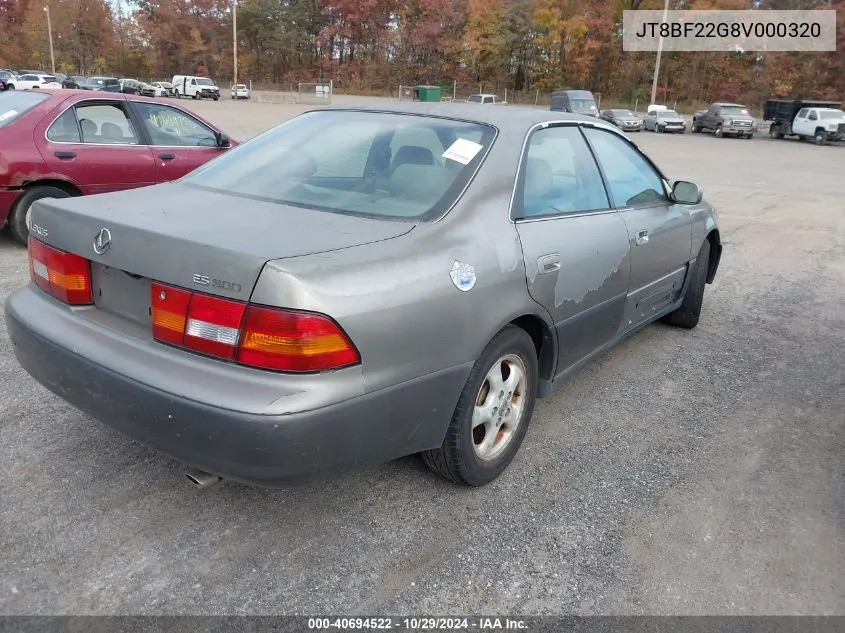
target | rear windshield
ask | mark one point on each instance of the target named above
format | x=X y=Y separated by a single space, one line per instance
x=15 y=103
x=372 y=164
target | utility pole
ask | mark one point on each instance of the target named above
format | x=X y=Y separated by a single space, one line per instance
x=235 y=43
x=659 y=53
x=50 y=36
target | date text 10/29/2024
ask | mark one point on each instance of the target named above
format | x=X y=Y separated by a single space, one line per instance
x=416 y=624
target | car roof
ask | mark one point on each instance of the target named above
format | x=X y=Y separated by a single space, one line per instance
x=499 y=117
x=735 y=105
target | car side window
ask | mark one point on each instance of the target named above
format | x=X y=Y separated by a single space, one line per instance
x=474 y=99
x=630 y=178
x=803 y=113
x=813 y=116
x=171 y=127
x=105 y=124
x=64 y=129
x=560 y=175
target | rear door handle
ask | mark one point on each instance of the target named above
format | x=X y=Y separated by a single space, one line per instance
x=65 y=155
x=548 y=263
x=167 y=156
x=642 y=237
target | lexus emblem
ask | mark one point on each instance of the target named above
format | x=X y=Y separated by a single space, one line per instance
x=102 y=241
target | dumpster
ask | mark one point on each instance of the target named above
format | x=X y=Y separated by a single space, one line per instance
x=427 y=93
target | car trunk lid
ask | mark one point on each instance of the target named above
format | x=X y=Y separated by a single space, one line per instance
x=188 y=237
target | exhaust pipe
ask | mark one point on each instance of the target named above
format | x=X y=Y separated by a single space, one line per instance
x=202 y=479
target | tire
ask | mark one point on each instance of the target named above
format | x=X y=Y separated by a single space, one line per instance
x=749 y=136
x=820 y=138
x=718 y=132
x=463 y=457
x=10 y=86
x=216 y=98
x=696 y=129
x=688 y=314
x=17 y=218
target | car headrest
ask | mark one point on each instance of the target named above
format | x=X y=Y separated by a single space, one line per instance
x=111 y=131
x=412 y=154
x=421 y=183
x=89 y=129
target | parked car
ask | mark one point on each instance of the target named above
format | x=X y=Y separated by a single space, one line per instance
x=130 y=86
x=194 y=87
x=240 y=92
x=267 y=355
x=822 y=121
x=485 y=99
x=623 y=119
x=575 y=101
x=105 y=84
x=71 y=143
x=157 y=89
x=30 y=81
x=664 y=121
x=6 y=80
x=73 y=82
x=725 y=119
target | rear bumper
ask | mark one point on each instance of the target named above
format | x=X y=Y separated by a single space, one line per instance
x=267 y=450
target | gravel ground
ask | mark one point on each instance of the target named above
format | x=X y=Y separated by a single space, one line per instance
x=684 y=472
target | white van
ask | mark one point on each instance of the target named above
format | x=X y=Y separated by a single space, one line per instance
x=194 y=87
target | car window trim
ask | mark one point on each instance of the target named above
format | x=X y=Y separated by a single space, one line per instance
x=132 y=103
x=523 y=155
x=94 y=101
x=663 y=180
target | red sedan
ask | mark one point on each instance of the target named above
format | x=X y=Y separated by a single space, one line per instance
x=78 y=142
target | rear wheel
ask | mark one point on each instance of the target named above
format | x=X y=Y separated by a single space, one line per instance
x=688 y=314
x=20 y=212
x=493 y=412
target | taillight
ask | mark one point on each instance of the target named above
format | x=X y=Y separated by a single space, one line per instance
x=65 y=276
x=213 y=325
x=265 y=338
x=293 y=341
x=169 y=311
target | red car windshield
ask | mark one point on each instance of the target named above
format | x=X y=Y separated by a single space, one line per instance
x=15 y=103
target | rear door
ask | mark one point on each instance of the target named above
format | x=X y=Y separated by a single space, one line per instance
x=179 y=142
x=575 y=245
x=95 y=145
x=659 y=231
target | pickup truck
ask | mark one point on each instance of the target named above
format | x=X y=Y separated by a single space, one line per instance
x=725 y=119
x=822 y=121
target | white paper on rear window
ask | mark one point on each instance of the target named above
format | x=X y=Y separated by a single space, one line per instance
x=8 y=114
x=462 y=151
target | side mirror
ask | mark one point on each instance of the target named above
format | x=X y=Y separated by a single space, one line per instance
x=684 y=192
x=222 y=139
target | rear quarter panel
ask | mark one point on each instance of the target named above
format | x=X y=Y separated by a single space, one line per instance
x=20 y=160
x=396 y=300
